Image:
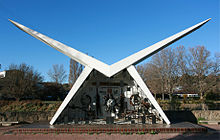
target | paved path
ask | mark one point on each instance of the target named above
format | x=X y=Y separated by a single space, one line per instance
x=213 y=134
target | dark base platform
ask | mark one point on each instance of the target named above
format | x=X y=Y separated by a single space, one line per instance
x=183 y=127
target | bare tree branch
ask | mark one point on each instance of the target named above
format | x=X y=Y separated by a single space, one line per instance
x=57 y=73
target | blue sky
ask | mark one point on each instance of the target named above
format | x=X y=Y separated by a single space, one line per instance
x=108 y=30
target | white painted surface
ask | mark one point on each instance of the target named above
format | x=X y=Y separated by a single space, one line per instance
x=78 y=56
x=134 y=74
x=108 y=70
x=2 y=74
x=143 y=54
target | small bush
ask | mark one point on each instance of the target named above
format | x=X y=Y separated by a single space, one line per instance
x=153 y=132
x=200 y=119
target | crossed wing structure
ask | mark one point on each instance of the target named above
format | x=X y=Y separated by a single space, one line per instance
x=91 y=64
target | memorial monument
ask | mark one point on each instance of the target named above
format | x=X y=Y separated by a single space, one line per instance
x=109 y=93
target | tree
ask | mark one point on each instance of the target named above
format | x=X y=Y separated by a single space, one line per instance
x=200 y=65
x=52 y=91
x=214 y=79
x=142 y=71
x=57 y=73
x=161 y=72
x=182 y=60
x=151 y=77
x=185 y=79
x=75 y=70
x=216 y=64
x=193 y=71
x=165 y=66
x=21 y=81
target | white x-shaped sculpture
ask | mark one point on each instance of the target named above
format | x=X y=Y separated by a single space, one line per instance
x=91 y=63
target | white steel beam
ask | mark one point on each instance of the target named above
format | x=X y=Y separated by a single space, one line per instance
x=143 y=54
x=78 y=56
x=134 y=74
x=85 y=73
x=109 y=70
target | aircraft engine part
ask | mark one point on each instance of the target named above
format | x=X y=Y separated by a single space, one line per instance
x=135 y=99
